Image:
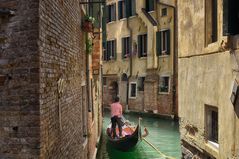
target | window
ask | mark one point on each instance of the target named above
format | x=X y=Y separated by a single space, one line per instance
x=126 y=8
x=164 y=12
x=111 y=50
x=133 y=90
x=104 y=81
x=105 y=57
x=126 y=47
x=121 y=9
x=164 y=84
x=142 y=45
x=163 y=42
x=230 y=17
x=149 y=4
x=211 y=21
x=141 y=83
x=212 y=124
x=111 y=13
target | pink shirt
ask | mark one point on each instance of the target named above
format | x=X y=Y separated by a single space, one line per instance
x=116 y=109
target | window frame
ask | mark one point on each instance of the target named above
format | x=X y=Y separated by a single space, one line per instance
x=169 y=84
x=126 y=41
x=162 y=11
x=142 y=53
x=130 y=89
x=138 y=88
x=113 y=49
x=209 y=127
x=165 y=40
x=123 y=10
x=211 y=23
x=111 y=13
x=147 y=5
x=104 y=81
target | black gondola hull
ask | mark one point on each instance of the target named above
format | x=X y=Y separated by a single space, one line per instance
x=126 y=143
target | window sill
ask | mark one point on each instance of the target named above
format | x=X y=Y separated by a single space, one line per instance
x=125 y=59
x=111 y=22
x=163 y=56
x=132 y=97
x=123 y=19
x=213 y=144
x=109 y=61
x=132 y=17
x=152 y=11
x=212 y=47
x=213 y=148
x=164 y=93
x=143 y=58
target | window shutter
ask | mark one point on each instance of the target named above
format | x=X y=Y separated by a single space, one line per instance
x=133 y=7
x=139 y=46
x=128 y=7
x=149 y=5
x=123 y=48
x=115 y=49
x=107 y=14
x=113 y=12
x=168 y=41
x=108 y=50
x=158 y=41
x=146 y=44
x=230 y=17
x=104 y=51
x=120 y=10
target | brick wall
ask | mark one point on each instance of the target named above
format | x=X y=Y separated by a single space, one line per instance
x=19 y=80
x=62 y=57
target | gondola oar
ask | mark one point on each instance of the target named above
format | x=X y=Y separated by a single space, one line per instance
x=155 y=148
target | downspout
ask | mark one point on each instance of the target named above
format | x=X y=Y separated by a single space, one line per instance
x=175 y=58
x=130 y=65
x=87 y=76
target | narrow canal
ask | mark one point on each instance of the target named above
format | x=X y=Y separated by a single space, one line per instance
x=163 y=134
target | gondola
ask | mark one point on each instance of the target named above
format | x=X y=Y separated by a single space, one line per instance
x=129 y=140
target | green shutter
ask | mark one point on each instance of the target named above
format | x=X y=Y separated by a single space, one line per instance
x=122 y=48
x=149 y=5
x=139 y=46
x=168 y=41
x=107 y=14
x=128 y=7
x=115 y=49
x=107 y=50
x=120 y=10
x=114 y=12
x=158 y=43
x=133 y=7
x=230 y=17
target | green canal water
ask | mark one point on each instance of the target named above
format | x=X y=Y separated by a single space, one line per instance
x=163 y=134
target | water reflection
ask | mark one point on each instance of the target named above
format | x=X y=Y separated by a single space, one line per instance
x=162 y=133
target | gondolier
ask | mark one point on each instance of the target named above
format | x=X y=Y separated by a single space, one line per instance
x=116 y=114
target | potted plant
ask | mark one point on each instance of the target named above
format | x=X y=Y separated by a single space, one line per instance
x=88 y=22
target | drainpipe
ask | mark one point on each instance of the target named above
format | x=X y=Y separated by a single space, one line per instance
x=88 y=78
x=130 y=65
x=175 y=57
